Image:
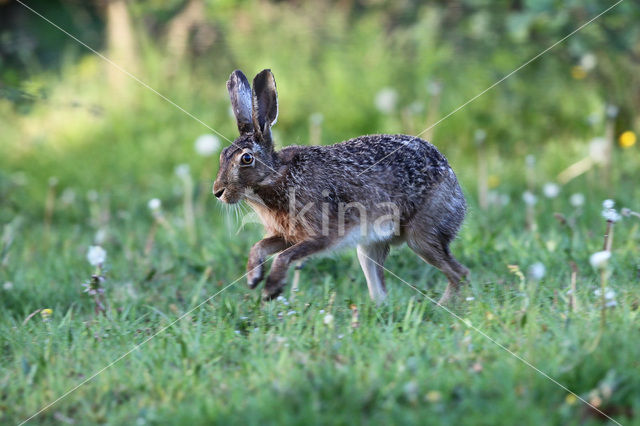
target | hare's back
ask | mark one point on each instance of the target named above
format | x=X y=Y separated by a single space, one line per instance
x=377 y=159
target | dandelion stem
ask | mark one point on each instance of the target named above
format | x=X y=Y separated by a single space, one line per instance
x=608 y=236
x=603 y=284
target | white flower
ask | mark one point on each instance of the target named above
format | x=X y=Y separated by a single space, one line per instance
x=7 y=285
x=576 y=200
x=537 y=271
x=588 y=61
x=593 y=118
x=608 y=204
x=101 y=236
x=529 y=198
x=92 y=195
x=291 y=313
x=321 y=311
x=182 y=170
x=551 y=190
x=470 y=298
x=316 y=118
x=96 y=255
x=611 y=215
x=496 y=198
x=154 y=204
x=480 y=135
x=328 y=319
x=599 y=259
x=416 y=107
x=611 y=303
x=68 y=196
x=207 y=144
x=612 y=111
x=530 y=160
x=386 y=100
x=597 y=149
x=609 y=294
x=434 y=88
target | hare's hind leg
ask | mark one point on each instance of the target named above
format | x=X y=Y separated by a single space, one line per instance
x=372 y=257
x=437 y=254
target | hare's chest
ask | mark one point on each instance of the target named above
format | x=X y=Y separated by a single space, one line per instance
x=277 y=223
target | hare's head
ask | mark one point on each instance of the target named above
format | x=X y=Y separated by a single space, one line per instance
x=250 y=159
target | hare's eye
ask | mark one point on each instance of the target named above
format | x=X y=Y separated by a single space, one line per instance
x=246 y=159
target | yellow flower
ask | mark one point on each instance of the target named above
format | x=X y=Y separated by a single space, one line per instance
x=46 y=313
x=433 y=396
x=494 y=181
x=571 y=399
x=627 y=139
x=578 y=72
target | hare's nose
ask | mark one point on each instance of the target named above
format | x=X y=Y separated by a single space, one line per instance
x=219 y=193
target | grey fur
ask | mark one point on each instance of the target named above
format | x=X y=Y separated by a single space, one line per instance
x=316 y=198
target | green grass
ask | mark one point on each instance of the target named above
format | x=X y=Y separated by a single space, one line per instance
x=236 y=360
x=230 y=359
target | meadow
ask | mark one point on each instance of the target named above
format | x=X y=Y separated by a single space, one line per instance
x=157 y=326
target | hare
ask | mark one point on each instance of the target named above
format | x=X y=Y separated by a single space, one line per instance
x=369 y=192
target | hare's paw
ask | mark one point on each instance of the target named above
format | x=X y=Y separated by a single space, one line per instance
x=255 y=275
x=273 y=288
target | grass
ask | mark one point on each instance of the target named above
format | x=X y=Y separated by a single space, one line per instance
x=233 y=359
x=230 y=359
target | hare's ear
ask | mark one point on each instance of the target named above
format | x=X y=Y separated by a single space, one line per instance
x=265 y=105
x=240 y=95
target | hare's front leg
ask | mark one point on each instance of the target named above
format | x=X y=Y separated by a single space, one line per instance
x=258 y=255
x=278 y=276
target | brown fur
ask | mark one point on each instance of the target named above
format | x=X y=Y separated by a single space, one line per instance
x=371 y=191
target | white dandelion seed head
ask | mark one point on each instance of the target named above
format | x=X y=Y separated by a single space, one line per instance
x=608 y=204
x=96 y=255
x=498 y=199
x=537 y=271
x=207 y=144
x=530 y=160
x=576 y=200
x=529 y=198
x=551 y=190
x=609 y=294
x=386 y=100
x=480 y=135
x=588 y=61
x=598 y=149
x=92 y=195
x=316 y=118
x=416 y=107
x=68 y=196
x=611 y=215
x=599 y=259
x=100 y=237
x=593 y=118
x=328 y=319
x=182 y=171
x=154 y=204
x=434 y=88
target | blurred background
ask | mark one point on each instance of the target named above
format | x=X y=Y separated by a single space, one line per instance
x=344 y=68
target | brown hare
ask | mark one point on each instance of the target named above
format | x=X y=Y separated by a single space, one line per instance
x=369 y=192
